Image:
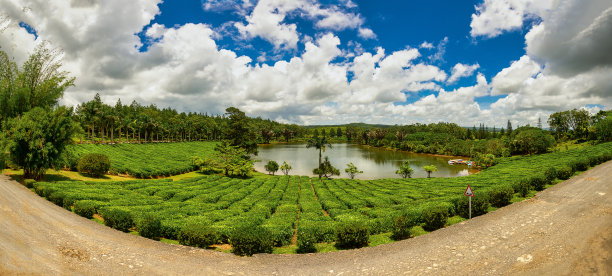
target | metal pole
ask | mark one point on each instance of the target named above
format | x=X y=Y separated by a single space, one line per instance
x=470 y=199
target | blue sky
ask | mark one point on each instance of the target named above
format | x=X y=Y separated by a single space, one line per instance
x=397 y=25
x=330 y=61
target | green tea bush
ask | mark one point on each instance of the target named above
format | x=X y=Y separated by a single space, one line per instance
x=434 y=218
x=281 y=234
x=57 y=198
x=594 y=160
x=85 y=208
x=117 y=218
x=68 y=202
x=198 y=234
x=501 y=196
x=94 y=164
x=522 y=187
x=581 y=164
x=248 y=239
x=564 y=173
x=537 y=182
x=306 y=241
x=550 y=174
x=480 y=205
x=29 y=183
x=352 y=234
x=149 y=226
x=403 y=224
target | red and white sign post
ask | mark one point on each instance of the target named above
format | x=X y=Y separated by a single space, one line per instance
x=470 y=194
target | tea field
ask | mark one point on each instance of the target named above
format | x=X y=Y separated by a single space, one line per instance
x=145 y=160
x=287 y=205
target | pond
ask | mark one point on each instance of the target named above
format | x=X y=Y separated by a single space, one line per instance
x=374 y=162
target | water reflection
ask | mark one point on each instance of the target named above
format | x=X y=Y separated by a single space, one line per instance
x=374 y=162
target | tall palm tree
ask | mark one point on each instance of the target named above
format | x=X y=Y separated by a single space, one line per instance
x=318 y=143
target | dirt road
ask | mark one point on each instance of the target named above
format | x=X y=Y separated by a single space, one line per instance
x=566 y=229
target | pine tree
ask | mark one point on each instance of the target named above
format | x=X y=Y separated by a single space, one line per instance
x=509 y=128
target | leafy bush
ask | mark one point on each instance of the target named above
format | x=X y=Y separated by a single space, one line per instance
x=68 y=202
x=306 y=241
x=85 y=208
x=248 y=239
x=198 y=234
x=537 y=182
x=522 y=187
x=117 y=218
x=501 y=196
x=29 y=183
x=403 y=224
x=550 y=174
x=57 y=198
x=352 y=234
x=94 y=164
x=581 y=164
x=564 y=173
x=593 y=160
x=149 y=226
x=480 y=205
x=434 y=218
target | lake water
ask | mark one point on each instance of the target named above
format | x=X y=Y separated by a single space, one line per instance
x=374 y=162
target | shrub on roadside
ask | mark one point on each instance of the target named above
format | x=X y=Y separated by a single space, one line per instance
x=57 y=198
x=306 y=241
x=564 y=173
x=501 y=196
x=117 y=218
x=85 y=208
x=581 y=164
x=522 y=187
x=249 y=239
x=29 y=183
x=537 y=182
x=94 y=164
x=434 y=218
x=198 y=234
x=403 y=224
x=68 y=202
x=480 y=205
x=352 y=234
x=149 y=226
x=550 y=174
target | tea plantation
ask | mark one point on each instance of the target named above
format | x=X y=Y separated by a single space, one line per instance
x=284 y=206
x=145 y=160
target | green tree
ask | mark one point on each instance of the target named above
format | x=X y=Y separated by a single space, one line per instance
x=238 y=131
x=429 y=169
x=339 y=132
x=405 y=170
x=603 y=129
x=39 y=83
x=531 y=140
x=352 y=170
x=271 y=167
x=233 y=160
x=509 y=128
x=285 y=168
x=319 y=143
x=485 y=160
x=36 y=140
x=326 y=169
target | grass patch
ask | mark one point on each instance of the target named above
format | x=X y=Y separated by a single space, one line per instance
x=454 y=220
x=379 y=239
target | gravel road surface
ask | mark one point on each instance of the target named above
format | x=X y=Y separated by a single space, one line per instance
x=566 y=229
